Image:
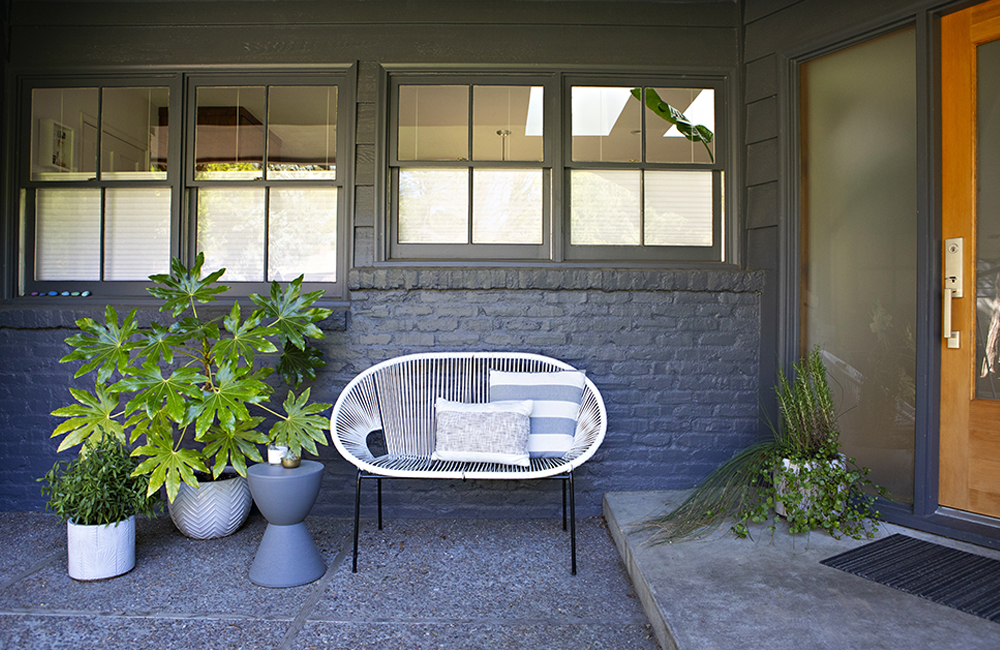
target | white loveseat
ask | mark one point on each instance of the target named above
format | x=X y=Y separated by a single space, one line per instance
x=396 y=399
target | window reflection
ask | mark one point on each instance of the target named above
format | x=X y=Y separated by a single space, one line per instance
x=134 y=124
x=229 y=136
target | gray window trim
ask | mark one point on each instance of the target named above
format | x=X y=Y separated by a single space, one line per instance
x=180 y=171
x=557 y=158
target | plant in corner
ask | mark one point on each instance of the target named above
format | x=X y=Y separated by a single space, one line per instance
x=97 y=496
x=800 y=473
x=194 y=390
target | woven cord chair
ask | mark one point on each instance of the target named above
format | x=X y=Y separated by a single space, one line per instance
x=396 y=398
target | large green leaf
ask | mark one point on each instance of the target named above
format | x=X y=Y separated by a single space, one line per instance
x=91 y=419
x=290 y=312
x=153 y=390
x=158 y=342
x=166 y=465
x=297 y=365
x=693 y=132
x=184 y=286
x=248 y=337
x=233 y=447
x=226 y=400
x=103 y=346
x=302 y=426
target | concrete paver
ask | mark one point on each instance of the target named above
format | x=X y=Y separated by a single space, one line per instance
x=722 y=592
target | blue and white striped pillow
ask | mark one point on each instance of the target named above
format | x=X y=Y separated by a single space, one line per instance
x=556 y=397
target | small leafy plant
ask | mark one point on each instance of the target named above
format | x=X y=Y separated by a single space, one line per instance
x=189 y=386
x=799 y=473
x=98 y=487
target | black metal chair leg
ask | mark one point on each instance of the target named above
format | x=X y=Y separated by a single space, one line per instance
x=357 y=521
x=380 y=504
x=572 y=520
x=564 y=503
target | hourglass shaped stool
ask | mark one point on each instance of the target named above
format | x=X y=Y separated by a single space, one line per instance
x=287 y=555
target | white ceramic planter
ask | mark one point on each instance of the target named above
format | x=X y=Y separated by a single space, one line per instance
x=98 y=552
x=214 y=509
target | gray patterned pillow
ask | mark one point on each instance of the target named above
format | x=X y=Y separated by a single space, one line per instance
x=483 y=433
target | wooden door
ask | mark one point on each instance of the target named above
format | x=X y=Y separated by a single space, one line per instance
x=970 y=358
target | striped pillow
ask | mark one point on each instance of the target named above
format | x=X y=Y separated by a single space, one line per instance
x=556 y=397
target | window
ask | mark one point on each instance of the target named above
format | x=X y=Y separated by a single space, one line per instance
x=100 y=198
x=109 y=198
x=501 y=168
x=469 y=170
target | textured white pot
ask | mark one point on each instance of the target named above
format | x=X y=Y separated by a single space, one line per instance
x=215 y=509
x=98 y=552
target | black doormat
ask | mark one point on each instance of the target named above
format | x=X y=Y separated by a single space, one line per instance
x=964 y=581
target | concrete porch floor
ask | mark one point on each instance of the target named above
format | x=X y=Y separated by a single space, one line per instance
x=471 y=583
x=772 y=592
x=422 y=583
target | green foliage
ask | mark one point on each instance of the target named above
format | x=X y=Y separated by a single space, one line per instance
x=693 y=132
x=98 y=487
x=800 y=468
x=190 y=386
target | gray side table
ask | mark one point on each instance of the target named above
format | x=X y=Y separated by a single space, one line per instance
x=287 y=555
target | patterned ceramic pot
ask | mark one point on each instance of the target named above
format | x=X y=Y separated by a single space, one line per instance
x=214 y=509
x=98 y=552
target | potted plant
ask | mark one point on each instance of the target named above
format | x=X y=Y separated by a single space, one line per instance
x=194 y=390
x=97 y=496
x=799 y=473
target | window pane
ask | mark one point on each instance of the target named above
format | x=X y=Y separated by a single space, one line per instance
x=134 y=133
x=665 y=142
x=229 y=138
x=507 y=123
x=302 y=132
x=434 y=206
x=433 y=123
x=136 y=233
x=859 y=119
x=605 y=207
x=507 y=206
x=302 y=234
x=606 y=125
x=678 y=208
x=231 y=232
x=68 y=234
x=63 y=133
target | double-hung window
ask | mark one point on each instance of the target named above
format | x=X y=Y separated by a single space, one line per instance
x=470 y=170
x=555 y=168
x=118 y=183
x=97 y=203
x=643 y=172
x=264 y=178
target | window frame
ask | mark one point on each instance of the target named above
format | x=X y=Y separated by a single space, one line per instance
x=644 y=252
x=344 y=166
x=180 y=174
x=558 y=162
x=470 y=250
x=28 y=188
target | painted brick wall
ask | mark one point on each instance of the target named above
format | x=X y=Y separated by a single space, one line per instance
x=675 y=355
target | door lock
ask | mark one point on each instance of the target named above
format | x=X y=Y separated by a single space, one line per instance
x=954 y=253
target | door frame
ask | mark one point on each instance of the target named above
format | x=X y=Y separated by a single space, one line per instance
x=926 y=513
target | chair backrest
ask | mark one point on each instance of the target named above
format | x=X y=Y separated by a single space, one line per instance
x=408 y=386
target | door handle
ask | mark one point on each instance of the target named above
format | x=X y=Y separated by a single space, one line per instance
x=953 y=283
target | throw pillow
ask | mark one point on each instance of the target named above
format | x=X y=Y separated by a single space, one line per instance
x=483 y=433
x=556 y=396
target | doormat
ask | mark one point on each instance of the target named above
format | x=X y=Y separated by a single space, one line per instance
x=947 y=576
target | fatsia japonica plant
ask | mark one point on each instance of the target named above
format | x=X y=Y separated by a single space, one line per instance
x=191 y=396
